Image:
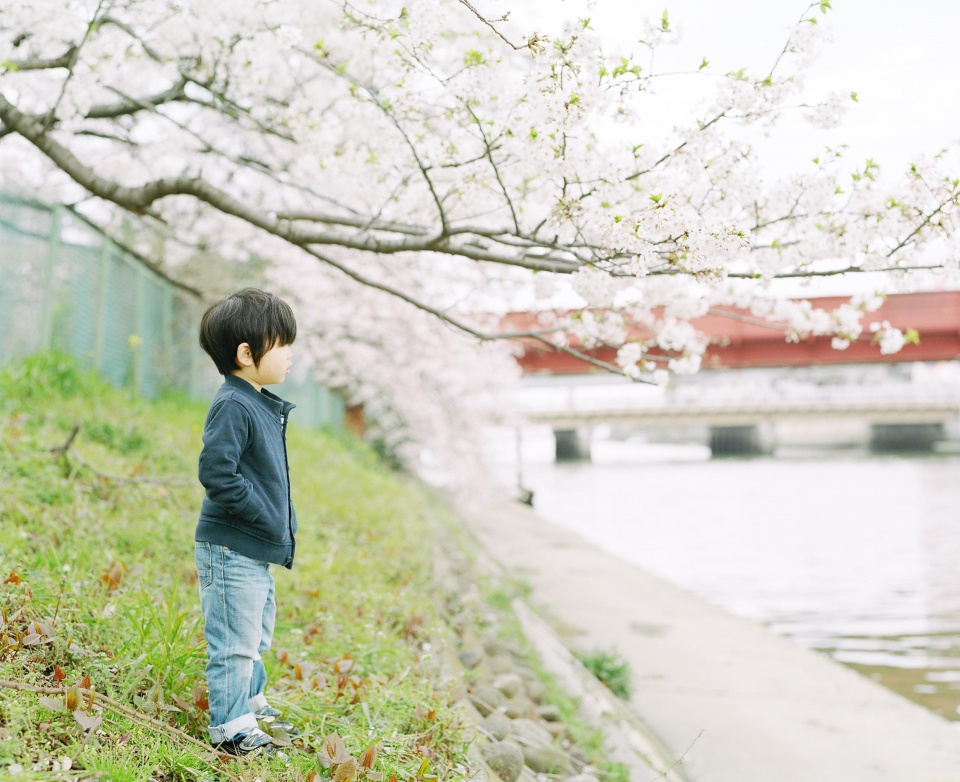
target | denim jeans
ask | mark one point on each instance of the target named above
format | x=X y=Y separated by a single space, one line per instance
x=237 y=600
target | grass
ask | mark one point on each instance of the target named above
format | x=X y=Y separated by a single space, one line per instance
x=98 y=500
x=611 y=669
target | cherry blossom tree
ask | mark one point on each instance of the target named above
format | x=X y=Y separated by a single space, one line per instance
x=426 y=153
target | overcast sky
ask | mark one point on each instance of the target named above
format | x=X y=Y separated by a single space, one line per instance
x=902 y=58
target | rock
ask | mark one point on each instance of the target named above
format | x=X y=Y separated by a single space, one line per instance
x=550 y=713
x=470 y=657
x=510 y=684
x=546 y=760
x=535 y=690
x=504 y=758
x=493 y=645
x=556 y=729
x=497 y=725
x=500 y=663
x=471 y=599
x=521 y=706
x=486 y=698
x=582 y=778
x=530 y=733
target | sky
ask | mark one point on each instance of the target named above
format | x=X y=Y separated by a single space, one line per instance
x=902 y=59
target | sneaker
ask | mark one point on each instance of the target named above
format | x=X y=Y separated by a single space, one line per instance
x=270 y=716
x=267 y=714
x=245 y=744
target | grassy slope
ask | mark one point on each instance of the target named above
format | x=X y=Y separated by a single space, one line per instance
x=96 y=555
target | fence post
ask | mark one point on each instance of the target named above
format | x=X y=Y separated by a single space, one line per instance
x=138 y=344
x=106 y=246
x=53 y=248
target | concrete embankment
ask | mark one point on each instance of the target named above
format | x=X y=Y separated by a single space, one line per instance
x=735 y=701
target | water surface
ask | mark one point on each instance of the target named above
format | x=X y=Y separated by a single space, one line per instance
x=854 y=555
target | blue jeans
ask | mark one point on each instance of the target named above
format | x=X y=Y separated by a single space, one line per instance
x=237 y=600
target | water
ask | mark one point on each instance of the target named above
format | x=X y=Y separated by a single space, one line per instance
x=856 y=556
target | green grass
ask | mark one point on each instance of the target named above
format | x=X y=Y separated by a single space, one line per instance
x=97 y=580
x=611 y=669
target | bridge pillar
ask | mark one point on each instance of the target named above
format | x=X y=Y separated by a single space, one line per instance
x=572 y=445
x=736 y=441
x=905 y=437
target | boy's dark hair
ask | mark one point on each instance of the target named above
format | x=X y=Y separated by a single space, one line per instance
x=250 y=315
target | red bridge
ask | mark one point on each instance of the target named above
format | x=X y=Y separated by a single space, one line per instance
x=746 y=342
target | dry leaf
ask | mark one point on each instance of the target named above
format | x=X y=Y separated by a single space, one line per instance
x=53 y=703
x=58 y=674
x=13 y=578
x=73 y=698
x=334 y=749
x=369 y=757
x=113 y=575
x=200 y=697
x=346 y=771
x=87 y=722
x=280 y=737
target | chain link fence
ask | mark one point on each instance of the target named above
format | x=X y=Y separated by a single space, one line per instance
x=65 y=286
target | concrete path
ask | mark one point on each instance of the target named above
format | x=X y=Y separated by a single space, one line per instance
x=754 y=707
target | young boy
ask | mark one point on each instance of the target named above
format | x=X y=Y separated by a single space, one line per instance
x=247 y=520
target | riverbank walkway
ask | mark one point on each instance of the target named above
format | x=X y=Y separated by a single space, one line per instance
x=736 y=701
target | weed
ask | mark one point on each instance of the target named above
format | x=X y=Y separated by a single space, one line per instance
x=611 y=669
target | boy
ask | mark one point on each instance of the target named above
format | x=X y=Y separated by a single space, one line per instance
x=247 y=521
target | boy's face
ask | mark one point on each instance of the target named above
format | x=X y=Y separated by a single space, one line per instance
x=274 y=366
x=273 y=369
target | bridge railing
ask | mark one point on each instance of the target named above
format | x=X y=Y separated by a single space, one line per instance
x=587 y=400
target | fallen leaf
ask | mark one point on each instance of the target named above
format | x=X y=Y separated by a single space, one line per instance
x=52 y=703
x=58 y=674
x=113 y=575
x=73 y=698
x=280 y=737
x=334 y=749
x=86 y=683
x=369 y=757
x=87 y=722
x=13 y=578
x=200 y=697
x=346 y=771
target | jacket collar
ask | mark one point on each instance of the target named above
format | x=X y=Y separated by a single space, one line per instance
x=267 y=399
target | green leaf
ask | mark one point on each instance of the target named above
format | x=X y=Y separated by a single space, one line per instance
x=656 y=197
x=854 y=97
x=825 y=6
x=911 y=337
x=703 y=64
x=665 y=21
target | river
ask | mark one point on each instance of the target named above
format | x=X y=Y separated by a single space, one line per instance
x=857 y=556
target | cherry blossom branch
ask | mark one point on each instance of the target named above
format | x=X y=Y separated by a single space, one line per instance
x=91 y=26
x=534 y=43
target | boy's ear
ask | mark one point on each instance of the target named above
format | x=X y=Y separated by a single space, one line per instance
x=244 y=356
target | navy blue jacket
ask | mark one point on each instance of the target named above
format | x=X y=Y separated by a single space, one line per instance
x=244 y=468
